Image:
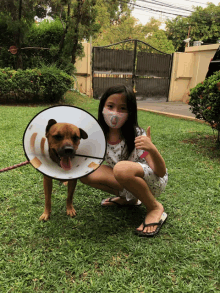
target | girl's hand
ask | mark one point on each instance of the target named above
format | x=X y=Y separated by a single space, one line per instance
x=144 y=142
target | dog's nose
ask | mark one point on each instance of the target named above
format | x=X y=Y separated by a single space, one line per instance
x=68 y=150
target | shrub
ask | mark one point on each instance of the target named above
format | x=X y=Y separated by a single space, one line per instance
x=205 y=101
x=44 y=39
x=46 y=84
x=45 y=34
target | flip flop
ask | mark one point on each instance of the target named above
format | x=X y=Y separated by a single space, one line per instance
x=118 y=204
x=158 y=224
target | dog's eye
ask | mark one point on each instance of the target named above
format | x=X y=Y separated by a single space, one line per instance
x=75 y=138
x=58 y=137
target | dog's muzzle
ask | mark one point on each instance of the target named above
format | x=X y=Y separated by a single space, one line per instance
x=64 y=157
x=67 y=151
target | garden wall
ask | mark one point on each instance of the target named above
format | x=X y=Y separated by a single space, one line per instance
x=84 y=72
x=189 y=69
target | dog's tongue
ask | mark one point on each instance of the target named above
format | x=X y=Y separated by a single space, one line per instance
x=66 y=163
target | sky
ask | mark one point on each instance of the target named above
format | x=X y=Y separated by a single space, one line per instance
x=145 y=9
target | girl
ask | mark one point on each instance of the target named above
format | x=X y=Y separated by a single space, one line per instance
x=136 y=171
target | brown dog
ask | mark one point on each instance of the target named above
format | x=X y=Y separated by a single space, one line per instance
x=63 y=140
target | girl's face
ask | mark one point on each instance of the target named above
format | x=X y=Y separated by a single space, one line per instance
x=116 y=103
x=115 y=111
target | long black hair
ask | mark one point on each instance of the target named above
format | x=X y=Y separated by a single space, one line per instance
x=129 y=129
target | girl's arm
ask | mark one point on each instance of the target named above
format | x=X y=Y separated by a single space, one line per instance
x=156 y=162
x=153 y=158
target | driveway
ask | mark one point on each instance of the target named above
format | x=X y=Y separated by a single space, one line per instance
x=174 y=108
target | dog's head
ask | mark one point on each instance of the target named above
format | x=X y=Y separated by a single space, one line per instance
x=63 y=140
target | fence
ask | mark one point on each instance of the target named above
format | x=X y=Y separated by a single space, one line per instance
x=189 y=68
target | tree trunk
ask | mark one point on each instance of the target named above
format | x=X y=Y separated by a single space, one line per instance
x=61 y=46
x=78 y=17
x=18 y=41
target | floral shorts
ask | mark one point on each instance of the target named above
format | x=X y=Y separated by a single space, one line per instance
x=156 y=184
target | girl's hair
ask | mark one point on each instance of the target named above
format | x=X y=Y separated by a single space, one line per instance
x=128 y=130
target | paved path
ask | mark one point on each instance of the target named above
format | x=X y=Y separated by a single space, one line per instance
x=172 y=109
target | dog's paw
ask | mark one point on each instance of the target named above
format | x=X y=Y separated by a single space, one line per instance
x=44 y=217
x=70 y=211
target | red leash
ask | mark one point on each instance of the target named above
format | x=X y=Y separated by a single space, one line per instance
x=14 y=167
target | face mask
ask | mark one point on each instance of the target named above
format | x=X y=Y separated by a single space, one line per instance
x=114 y=119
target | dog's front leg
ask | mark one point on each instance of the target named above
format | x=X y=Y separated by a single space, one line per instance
x=47 y=192
x=69 y=202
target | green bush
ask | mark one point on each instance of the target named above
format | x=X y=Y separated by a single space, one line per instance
x=44 y=38
x=46 y=84
x=45 y=34
x=205 y=101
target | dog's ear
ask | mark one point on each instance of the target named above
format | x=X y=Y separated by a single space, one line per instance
x=83 y=134
x=50 y=123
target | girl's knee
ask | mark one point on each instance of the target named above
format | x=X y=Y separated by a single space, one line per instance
x=126 y=170
x=85 y=180
x=96 y=177
x=121 y=171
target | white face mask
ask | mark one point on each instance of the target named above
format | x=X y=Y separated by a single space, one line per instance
x=114 y=119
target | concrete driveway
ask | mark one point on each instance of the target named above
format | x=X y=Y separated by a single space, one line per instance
x=173 y=109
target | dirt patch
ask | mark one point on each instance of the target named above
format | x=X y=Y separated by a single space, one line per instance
x=206 y=144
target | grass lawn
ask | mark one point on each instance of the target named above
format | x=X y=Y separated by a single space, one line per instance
x=97 y=250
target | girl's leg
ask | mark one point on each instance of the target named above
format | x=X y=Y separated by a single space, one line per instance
x=130 y=176
x=104 y=179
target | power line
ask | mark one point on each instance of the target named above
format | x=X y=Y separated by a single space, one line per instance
x=155 y=10
x=166 y=5
x=151 y=9
x=196 y=2
x=160 y=14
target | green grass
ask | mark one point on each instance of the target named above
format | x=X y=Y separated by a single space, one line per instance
x=97 y=250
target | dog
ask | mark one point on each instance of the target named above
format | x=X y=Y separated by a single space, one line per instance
x=63 y=141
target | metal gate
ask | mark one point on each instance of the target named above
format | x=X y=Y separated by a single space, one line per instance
x=134 y=63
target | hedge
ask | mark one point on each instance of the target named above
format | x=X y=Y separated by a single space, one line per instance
x=46 y=84
x=40 y=45
x=205 y=101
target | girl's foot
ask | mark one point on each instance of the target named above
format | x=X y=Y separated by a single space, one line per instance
x=153 y=216
x=120 y=201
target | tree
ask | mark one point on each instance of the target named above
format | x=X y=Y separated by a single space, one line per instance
x=109 y=15
x=127 y=28
x=159 y=41
x=116 y=9
x=78 y=20
x=17 y=16
x=77 y=17
x=202 y=25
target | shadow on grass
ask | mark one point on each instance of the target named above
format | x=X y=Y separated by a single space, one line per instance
x=28 y=103
x=206 y=145
x=93 y=223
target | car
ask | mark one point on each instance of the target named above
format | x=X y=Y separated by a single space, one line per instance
x=214 y=64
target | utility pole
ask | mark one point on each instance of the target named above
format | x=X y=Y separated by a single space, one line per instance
x=187 y=44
